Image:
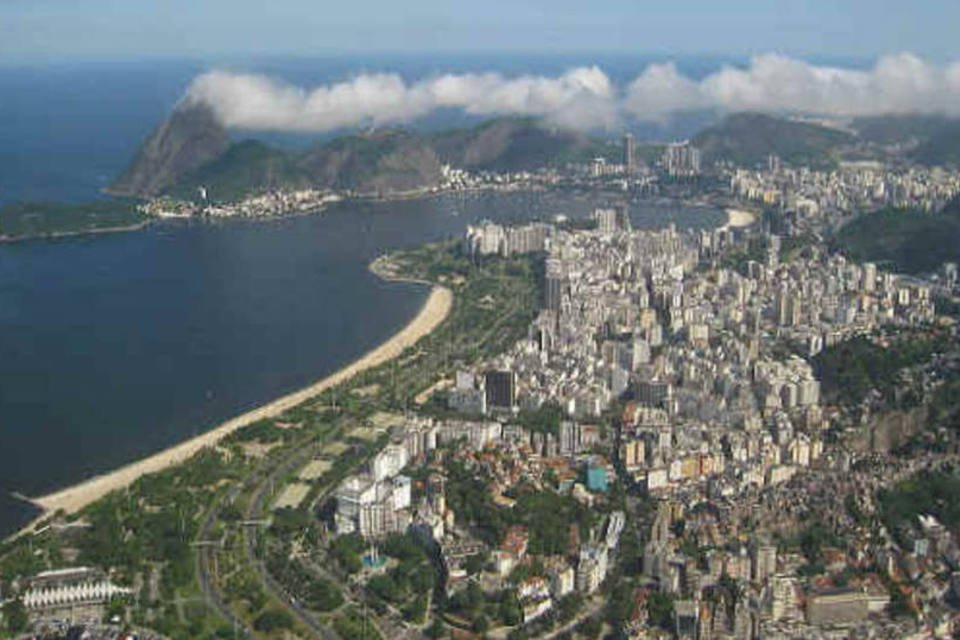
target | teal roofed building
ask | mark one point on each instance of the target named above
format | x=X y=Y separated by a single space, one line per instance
x=596 y=477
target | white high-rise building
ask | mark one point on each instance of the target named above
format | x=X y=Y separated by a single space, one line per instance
x=681 y=159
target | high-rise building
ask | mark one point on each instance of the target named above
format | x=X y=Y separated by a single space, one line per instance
x=653 y=393
x=554 y=284
x=501 y=389
x=606 y=220
x=629 y=153
x=681 y=159
x=950 y=273
x=569 y=438
x=773 y=163
x=763 y=560
x=869 y=276
x=623 y=216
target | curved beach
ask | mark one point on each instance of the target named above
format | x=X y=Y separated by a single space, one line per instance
x=72 y=499
x=738 y=218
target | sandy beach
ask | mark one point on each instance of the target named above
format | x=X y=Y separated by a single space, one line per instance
x=72 y=499
x=737 y=218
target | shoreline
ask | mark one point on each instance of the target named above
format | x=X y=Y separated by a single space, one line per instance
x=74 y=498
x=58 y=235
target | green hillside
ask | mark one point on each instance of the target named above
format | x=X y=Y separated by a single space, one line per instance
x=941 y=148
x=517 y=144
x=24 y=220
x=379 y=161
x=904 y=240
x=747 y=139
x=245 y=167
x=190 y=149
x=928 y=139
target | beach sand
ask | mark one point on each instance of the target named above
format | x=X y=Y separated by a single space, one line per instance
x=737 y=218
x=73 y=499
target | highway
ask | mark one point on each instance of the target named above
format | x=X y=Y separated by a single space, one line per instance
x=205 y=547
x=255 y=511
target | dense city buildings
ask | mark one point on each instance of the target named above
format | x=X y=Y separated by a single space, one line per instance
x=690 y=433
x=677 y=375
x=681 y=159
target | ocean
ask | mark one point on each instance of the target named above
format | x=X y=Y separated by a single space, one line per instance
x=115 y=346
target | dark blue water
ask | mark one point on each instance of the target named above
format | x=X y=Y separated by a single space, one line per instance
x=115 y=346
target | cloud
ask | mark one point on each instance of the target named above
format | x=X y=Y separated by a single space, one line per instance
x=896 y=84
x=584 y=97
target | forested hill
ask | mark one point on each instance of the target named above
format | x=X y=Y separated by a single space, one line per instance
x=904 y=240
x=190 y=149
x=749 y=138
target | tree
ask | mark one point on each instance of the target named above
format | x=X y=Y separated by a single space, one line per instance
x=346 y=550
x=481 y=624
x=620 y=605
x=660 y=610
x=510 y=611
x=323 y=595
x=15 y=616
x=437 y=629
x=273 y=619
x=474 y=564
x=116 y=609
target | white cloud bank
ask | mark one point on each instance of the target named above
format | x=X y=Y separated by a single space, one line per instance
x=581 y=98
x=896 y=84
x=585 y=97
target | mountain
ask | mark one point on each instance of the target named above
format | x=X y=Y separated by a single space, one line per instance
x=513 y=144
x=904 y=240
x=748 y=138
x=244 y=166
x=941 y=148
x=191 y=149
x=907 y=130
x=184 y=142
x=376 y=162
x=379 y=161
x=927 y=139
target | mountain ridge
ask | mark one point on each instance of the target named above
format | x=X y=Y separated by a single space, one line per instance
x=188 y=138
x=177 y=157
x=748 y=138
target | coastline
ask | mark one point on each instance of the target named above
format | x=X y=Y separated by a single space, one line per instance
x=738 y=218
x=57 y=235
x=74 y=498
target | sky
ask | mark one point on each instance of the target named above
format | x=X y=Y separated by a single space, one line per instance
x=54 y=30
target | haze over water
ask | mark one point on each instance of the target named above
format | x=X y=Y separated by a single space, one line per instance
x=116 y=346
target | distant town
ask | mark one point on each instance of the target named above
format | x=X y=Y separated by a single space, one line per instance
x=822 y=195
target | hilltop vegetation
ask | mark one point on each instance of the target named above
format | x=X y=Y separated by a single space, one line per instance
x=244 y=166
x=378 y=161
x=189 y=149
x=929 y=139
x=851 y=369
x=929 y=493
x=24 y=220
x=517 y=144
x=748 y=138
x=904 y=240
x=941 y=148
